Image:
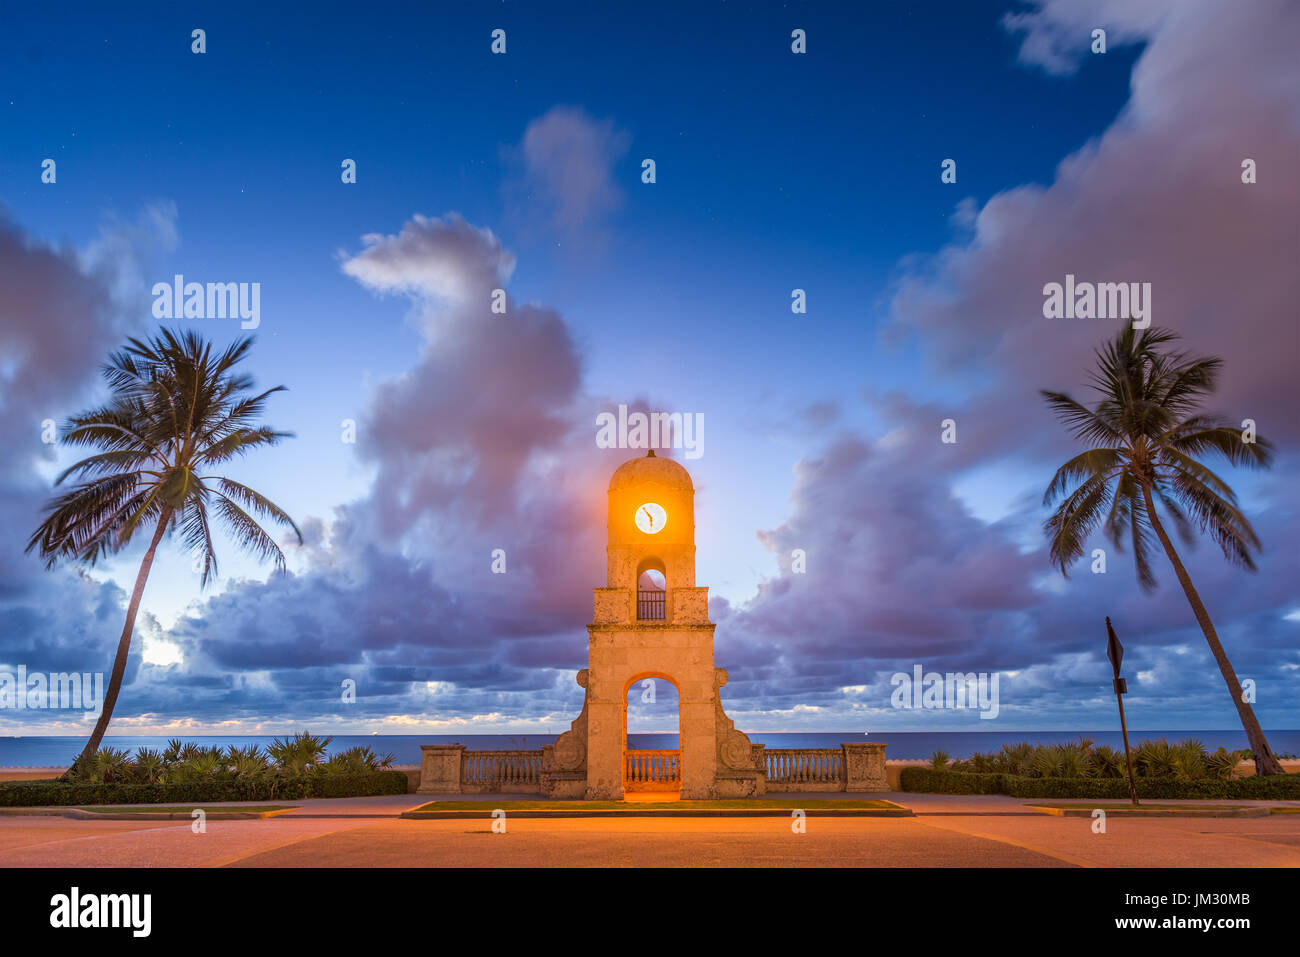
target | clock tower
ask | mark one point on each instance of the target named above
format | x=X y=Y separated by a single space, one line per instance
x=662 y=632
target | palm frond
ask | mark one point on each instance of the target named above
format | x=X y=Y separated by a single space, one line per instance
x=197 y=537
x=1223 y=440
x=1075 y=519
x=258 y=502
x=248 y=533
x=1084 y=465
x=1085 y=424
x=177 y=406
x=1140 y=533
x=239 y=442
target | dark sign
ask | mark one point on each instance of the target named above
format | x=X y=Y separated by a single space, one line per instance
x=1114 y=650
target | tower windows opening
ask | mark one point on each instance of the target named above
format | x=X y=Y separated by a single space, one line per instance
x=651 y=595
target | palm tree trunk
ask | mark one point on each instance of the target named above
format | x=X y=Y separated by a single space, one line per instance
x=1265 y=761
x=123 y=646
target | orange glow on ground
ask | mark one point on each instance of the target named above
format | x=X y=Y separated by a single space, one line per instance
x=633 y=796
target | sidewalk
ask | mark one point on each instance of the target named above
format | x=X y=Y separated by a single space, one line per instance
x=978 y=805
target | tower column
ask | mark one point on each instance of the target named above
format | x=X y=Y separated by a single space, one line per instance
x=604 y=733
x=697 y=703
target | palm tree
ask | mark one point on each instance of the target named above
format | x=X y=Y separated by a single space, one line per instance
x=1144 y=438
x=177 y=409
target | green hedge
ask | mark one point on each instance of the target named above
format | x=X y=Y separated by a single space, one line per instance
x=1284 y=787
x=58 y=794
x=950 y=782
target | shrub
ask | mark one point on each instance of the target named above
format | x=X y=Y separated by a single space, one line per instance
x=105 y=765
x=54 y=793
x=1222 y=764
x=250 y=762
x=981 y=764
x=949 y=782
x=1016 y=759
x=1155 y=759
x=202 y=764
x=275 y=771
x=1274 y=788
x=149 y=766
x=1049 y=763
x=345 y=785
x=1188 y=760
x=1105 y=762
x=299 y=753
x=189 y=752
x=355 y=761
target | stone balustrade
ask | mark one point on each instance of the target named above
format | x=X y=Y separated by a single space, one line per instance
x=452 y=769
x=659 y=770
x=804 y=769
x=501 y=770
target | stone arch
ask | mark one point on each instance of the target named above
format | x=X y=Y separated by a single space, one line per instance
x=663 y=763
x=642 y=676
x=651 y=563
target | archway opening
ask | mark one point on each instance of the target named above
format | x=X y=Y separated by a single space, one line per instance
x=651 y=736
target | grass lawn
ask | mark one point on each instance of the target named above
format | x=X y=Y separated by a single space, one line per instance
x=1128 y=806
x=189 y=809
x=1127 y=809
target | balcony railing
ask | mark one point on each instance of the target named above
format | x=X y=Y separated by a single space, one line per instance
x=652 y=770
x=650 y=605
x=501 y=769
x=794 y=766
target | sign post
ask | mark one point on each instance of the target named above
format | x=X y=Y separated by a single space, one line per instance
x=1115 y=652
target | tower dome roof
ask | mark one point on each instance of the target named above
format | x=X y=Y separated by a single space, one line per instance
x=651 y=468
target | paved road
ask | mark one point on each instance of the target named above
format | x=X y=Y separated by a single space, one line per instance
x=948 y=831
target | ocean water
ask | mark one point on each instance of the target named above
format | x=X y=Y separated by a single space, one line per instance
x=57 y=751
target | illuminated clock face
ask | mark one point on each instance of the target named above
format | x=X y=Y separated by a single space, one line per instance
x=651 y=518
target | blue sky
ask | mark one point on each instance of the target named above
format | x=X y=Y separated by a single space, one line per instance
x=775 y=171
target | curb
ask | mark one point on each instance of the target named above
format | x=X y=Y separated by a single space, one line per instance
x=1154 y=811
x=543 y=814
x=79 y=814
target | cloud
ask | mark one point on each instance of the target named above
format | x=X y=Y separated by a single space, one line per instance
x=61 y=312
x=441 y=259
x=1058 y=33
x=565 y=169
x=486 y=442
x=899 y=571
x=1157 y=198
